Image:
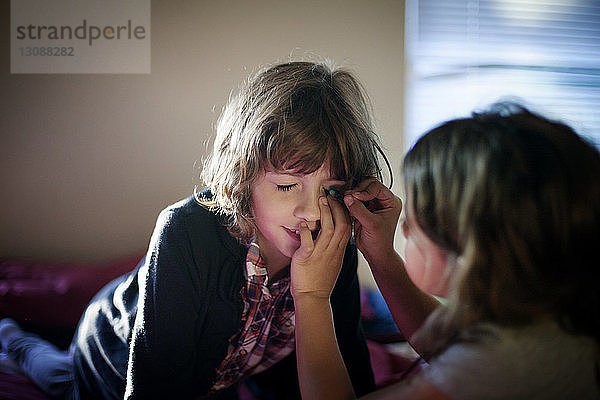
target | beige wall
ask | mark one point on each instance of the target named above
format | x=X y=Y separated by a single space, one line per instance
x=88 y=161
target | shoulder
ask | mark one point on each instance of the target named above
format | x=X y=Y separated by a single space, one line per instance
x=188 y=208
x=190 y=222
x=538 y=360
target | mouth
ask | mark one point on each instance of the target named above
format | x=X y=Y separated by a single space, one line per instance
x=295 y=233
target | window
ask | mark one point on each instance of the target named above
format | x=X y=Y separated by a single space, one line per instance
x=466 y=54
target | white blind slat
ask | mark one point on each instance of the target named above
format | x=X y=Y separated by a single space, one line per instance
x=465 y=54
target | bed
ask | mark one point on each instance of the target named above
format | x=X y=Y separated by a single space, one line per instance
x=49 y=298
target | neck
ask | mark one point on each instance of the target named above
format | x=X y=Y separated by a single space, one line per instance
x=277 y=266
x=276 y=263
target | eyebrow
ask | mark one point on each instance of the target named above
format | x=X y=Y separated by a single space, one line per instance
x=283 y=173
x=300 y=174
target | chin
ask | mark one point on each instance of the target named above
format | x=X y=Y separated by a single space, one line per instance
x=290 y=252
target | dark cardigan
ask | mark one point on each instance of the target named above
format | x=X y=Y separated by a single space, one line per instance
x=162 y=330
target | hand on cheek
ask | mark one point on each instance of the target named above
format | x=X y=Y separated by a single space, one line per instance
x=307 y=245
x=316 y=264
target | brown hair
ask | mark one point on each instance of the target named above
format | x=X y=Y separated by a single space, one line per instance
x=291 y=116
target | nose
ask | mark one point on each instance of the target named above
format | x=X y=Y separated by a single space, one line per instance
x=307 y=207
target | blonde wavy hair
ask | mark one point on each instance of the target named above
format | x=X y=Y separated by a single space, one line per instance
x=290 y=116
x=515 y=198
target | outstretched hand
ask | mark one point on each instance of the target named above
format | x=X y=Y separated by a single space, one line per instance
x=316 y=264
x=375 y=217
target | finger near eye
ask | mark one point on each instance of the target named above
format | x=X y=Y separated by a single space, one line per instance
x=327 y=225
x=341 y=217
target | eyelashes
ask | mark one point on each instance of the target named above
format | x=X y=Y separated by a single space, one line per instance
x=286 y=188
x=334 y=191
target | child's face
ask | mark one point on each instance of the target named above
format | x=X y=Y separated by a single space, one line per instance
x=425 y=261
x=281 y=200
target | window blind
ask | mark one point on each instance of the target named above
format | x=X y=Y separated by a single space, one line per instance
x=466 y=54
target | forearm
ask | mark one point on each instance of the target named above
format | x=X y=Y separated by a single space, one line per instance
x=321 y=370
x=408 y=305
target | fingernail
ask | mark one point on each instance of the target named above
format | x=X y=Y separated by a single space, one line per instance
x=349 y=200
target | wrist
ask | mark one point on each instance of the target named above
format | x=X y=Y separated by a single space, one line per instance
x=384 y=259
x=311 y=299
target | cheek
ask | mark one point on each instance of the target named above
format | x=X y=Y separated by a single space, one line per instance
x=438 y=277
x=414 y=264
x=269 y=210
x=258 y=210
x=261 y=203
x=426 y=268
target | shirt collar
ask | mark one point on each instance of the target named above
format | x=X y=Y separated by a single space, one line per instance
x=255 y=265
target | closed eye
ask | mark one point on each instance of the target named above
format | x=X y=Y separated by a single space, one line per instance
x=285 y=188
